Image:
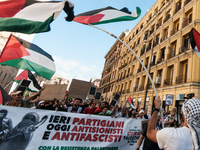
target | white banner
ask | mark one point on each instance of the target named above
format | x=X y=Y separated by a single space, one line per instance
x=34 y=129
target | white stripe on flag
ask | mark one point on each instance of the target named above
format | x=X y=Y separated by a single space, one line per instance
x=40 y=60
x=111 y=14
x=40 y=11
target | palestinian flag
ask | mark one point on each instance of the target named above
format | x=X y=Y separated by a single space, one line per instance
x=4 y=97
x=195 y=41
x=27 y=75
x=31 y=16
x=130 y=103
x=107 y=15
x=24 y=55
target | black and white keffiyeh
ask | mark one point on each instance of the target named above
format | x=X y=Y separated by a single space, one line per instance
x=191 y=111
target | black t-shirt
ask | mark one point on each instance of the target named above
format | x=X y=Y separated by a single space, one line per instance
x=148 y=144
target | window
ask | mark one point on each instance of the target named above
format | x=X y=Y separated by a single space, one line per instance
x=4 y=78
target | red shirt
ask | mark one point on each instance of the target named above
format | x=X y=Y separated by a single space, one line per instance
x=89 y=110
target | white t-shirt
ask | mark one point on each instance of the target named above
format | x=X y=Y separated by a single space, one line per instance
x=174 y=139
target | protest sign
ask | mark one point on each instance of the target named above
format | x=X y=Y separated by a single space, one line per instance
x=54 y=91
x=42 y=129
x=79 y=89
x=169 y=99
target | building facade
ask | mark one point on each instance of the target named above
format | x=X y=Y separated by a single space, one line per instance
x=161 y=40
x=55 y=79
x=110 y=70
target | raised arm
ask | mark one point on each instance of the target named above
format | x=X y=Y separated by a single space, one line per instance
x=151 y=132
x=35 y=94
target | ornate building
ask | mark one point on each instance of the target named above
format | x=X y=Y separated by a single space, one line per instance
x=161 y=40
x=110 y=71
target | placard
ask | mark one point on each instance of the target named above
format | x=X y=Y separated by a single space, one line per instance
x=53 y=91
x=79 y=89
x=169 y=99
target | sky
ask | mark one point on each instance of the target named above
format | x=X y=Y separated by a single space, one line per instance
x=78 y=50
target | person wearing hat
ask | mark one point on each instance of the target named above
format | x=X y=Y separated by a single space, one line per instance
x=18 y=100
x=184 y=138
x=140 y=114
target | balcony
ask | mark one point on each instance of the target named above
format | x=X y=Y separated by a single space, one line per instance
x=127 y=75
x=181 y=79
x=155 y=43
x=173 y=32
x=168 y=82
x=139 y=70
x=142 y=51
x=156 y=85
x=171 y=54
x=178 y=7
x=123 y=92
x=131 y=74
x=158 y=25
x=186 y=2
x=183 y=49
x=167 y=18
x=135 y=89
x=141 y=88
x=163 y=38
x=148 y=47
x=160 y=60
x=128 y=91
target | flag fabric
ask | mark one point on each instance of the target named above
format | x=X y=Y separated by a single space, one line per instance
x=31 y=16
x=27 y=75
x=4 y=97
x=21 y=54
x=130 y=103
x=194 y=40
x=107 y=15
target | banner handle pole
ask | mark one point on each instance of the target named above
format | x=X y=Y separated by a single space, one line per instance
x=140 y=63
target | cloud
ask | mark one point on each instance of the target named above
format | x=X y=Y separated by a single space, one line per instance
x=73 y=69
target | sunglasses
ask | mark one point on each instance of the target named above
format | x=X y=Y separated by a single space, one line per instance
x=19 y=94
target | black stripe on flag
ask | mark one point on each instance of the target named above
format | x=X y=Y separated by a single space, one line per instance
x=33 y=80
x=96 y=11
x=5 y=96
x=33 y=47
x=192 y=39
x=31 y=2
x=68 y=8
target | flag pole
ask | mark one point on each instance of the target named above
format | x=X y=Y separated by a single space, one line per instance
x=140 y=63
x=8 y=84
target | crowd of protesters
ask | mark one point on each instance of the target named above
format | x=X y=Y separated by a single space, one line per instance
x=77 y=105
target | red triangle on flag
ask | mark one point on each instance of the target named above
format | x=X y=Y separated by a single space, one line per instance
x=23 y=75
x=1 y=98
x=10 y=8
x=196 y=37
x=13 y=50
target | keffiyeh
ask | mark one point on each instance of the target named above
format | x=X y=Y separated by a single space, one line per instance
x=191 y=111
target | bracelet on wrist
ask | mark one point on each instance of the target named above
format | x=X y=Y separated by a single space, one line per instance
x=156 y=109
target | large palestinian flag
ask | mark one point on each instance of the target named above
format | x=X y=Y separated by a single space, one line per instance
x=27 y=75
x=31 y=16
x=24 y=55
x=107 y=15
x=195 y=41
